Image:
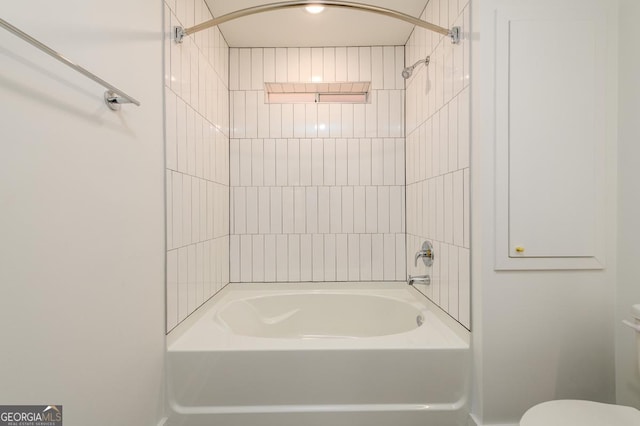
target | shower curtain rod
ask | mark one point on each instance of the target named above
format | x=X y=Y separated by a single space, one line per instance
x=180 y=32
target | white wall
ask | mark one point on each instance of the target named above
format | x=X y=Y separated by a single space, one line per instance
x=317 y=189
x=628 y=288
x=81 y=189
x=537 y=335
x=438 y=158
x=197 y=168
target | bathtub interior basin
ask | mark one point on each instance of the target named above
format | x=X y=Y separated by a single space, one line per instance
x=307 y=316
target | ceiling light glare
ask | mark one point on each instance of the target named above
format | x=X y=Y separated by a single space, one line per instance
x=314 y=8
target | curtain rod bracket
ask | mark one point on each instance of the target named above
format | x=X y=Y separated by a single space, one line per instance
x=178 y=34
x=454 y=35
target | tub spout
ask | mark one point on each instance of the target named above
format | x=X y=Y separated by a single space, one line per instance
x=419 y=279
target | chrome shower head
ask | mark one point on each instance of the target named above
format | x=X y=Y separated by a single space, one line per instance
x=406 y=73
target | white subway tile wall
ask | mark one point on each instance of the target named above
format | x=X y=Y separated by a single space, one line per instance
x=437 y=157
x=317 y=191
x=197 y=161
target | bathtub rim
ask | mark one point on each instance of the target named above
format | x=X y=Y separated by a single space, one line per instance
x=459 y=330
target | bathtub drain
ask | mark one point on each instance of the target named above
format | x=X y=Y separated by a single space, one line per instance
x=419 y=320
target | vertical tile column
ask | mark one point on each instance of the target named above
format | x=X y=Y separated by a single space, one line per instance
x=197 y=161
x=438 y=157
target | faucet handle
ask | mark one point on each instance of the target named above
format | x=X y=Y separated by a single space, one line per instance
x=426 y=253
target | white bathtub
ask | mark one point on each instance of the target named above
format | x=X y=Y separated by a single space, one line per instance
x=318 y=354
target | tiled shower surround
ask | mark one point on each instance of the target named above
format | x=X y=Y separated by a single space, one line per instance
x=197 y=161
x=438 y=157
x=317 y=190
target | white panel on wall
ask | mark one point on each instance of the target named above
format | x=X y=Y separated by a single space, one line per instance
x=547 y=123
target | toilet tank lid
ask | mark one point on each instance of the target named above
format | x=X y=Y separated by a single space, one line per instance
x=635 y=311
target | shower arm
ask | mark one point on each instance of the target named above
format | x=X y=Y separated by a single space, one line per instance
x=410 y=68
x=424 y=61
x=179 y=32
